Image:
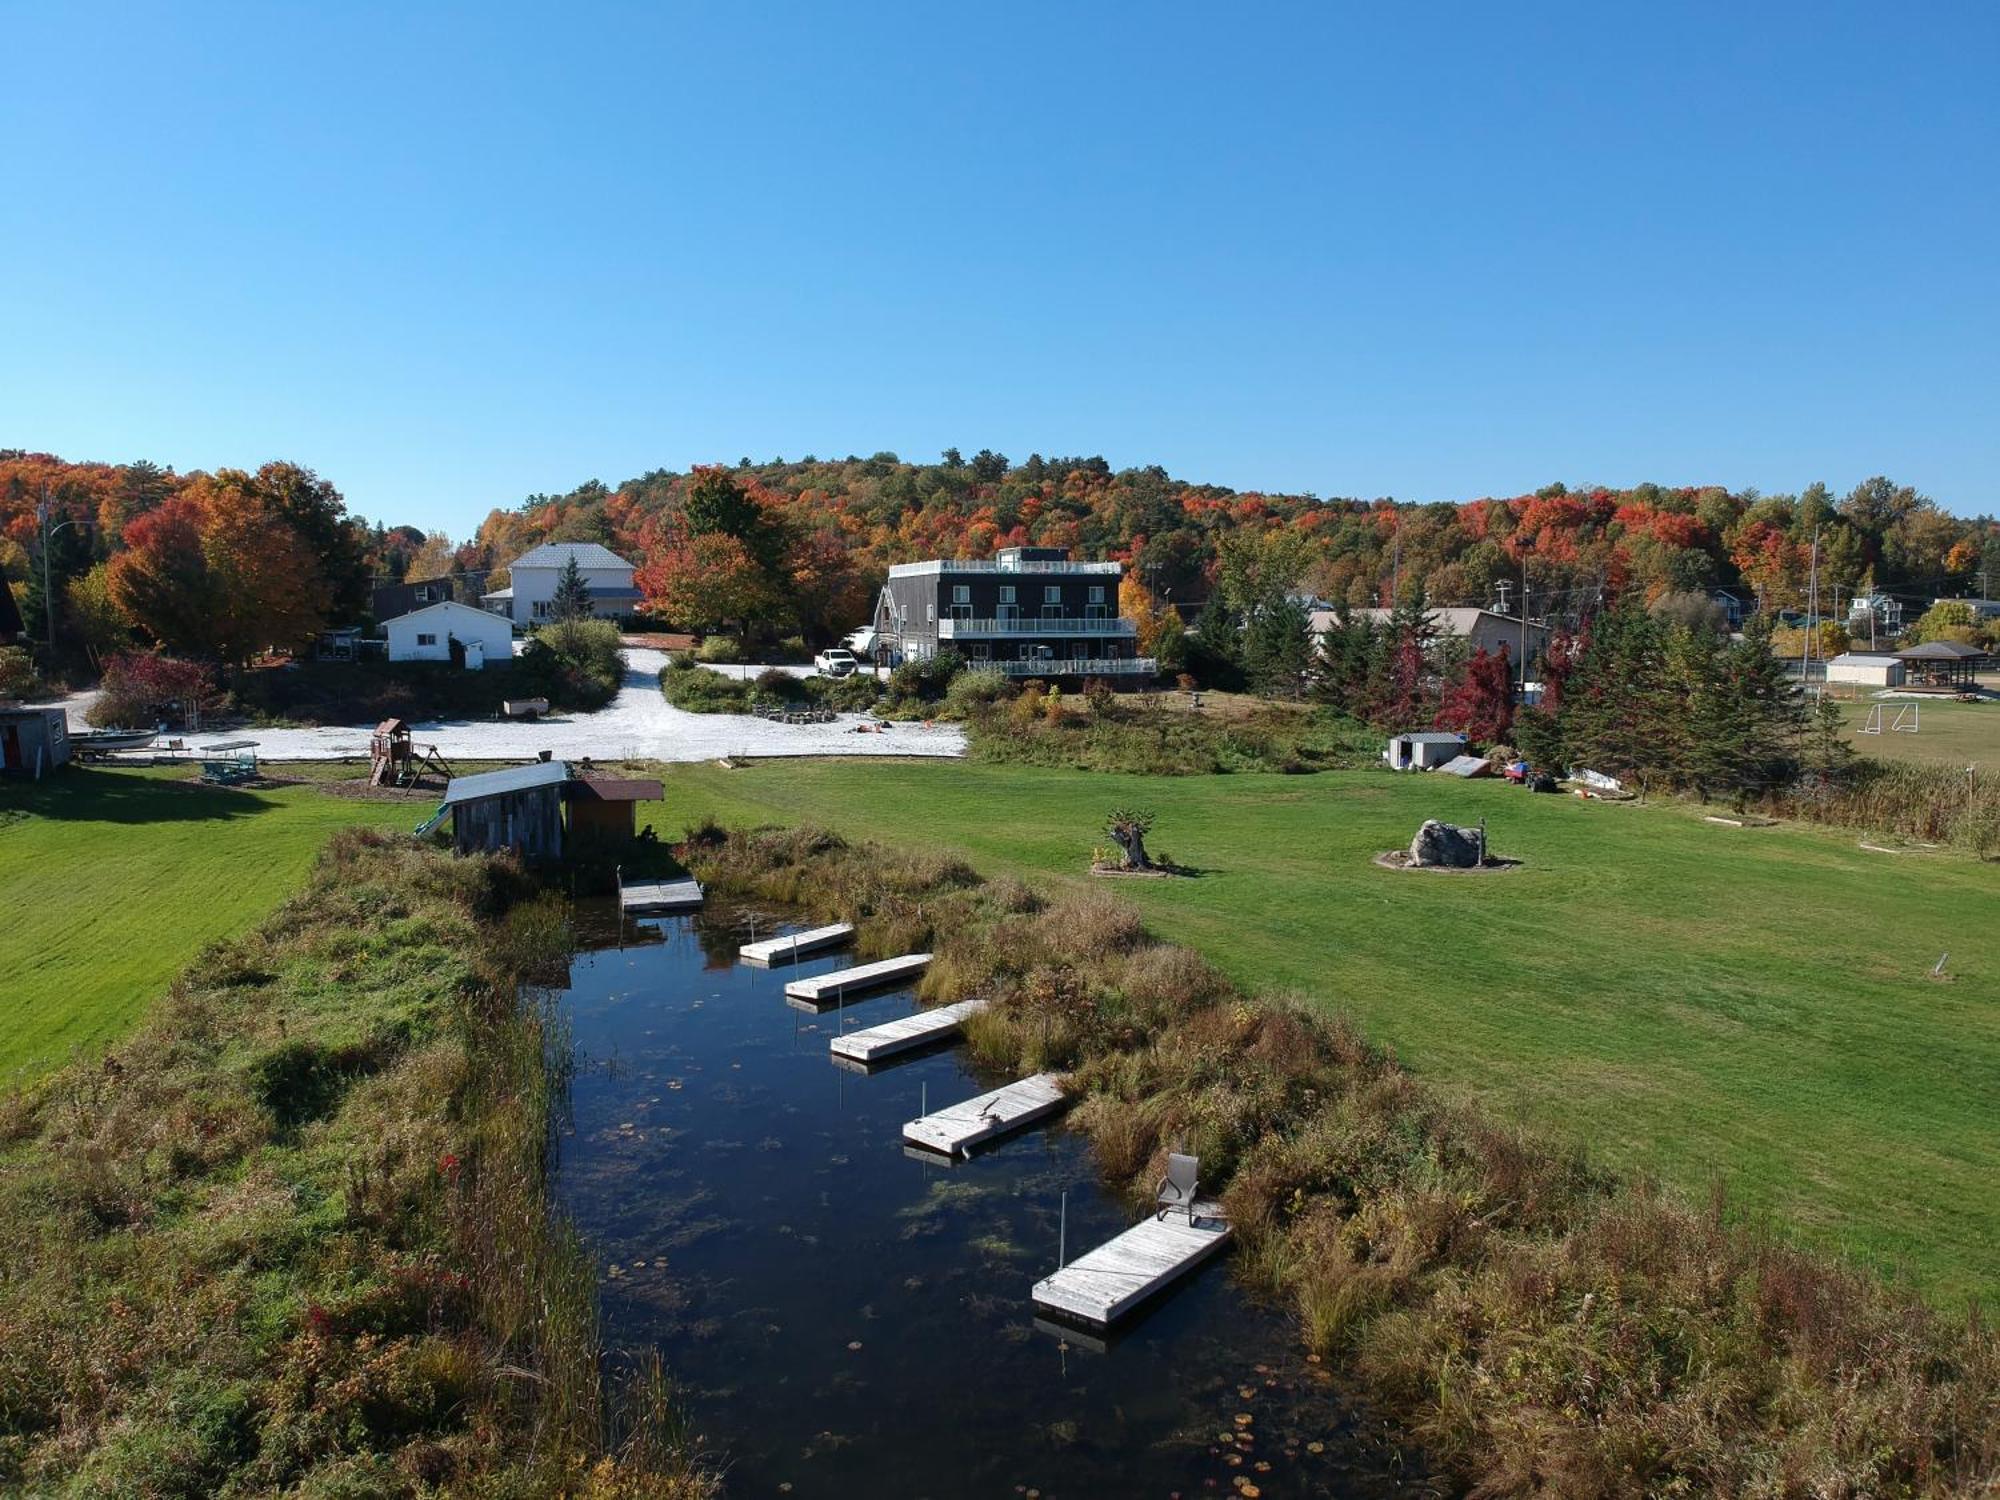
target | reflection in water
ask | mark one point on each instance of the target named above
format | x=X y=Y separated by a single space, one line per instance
x=847 y=1319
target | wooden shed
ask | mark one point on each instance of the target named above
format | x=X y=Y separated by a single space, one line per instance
x=520 y=808
x=33 y=740
x=604 y=809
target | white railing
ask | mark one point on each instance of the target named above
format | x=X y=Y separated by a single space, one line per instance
x=989 y=565
x=1060 y=666
x=1028 y=625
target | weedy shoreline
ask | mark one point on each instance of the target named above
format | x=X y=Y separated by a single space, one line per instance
x=297 y=1231
x=1536 y=1325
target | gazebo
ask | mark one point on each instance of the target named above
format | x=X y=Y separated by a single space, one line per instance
x=1945 y=666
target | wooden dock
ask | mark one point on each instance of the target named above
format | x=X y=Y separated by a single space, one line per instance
x=957 y=1129
x=904 y=1033
x=828 y=988
x=660 y=895
x=1099 y=1288
x=795 y=945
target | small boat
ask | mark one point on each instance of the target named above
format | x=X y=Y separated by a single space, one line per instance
x=102 y=740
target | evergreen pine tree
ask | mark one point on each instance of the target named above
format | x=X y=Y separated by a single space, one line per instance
x=1400 y=688
x=572 y=596
x=1277 y=648
x=1347 y=662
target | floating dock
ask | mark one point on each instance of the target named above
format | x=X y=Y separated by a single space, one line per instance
x=957 y=1129
x=827 y=989
x=905 y=1033
x=1099 y=1288
x=660 y=895
x=793 y=945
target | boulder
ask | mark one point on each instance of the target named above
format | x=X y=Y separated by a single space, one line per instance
x=1448 y=845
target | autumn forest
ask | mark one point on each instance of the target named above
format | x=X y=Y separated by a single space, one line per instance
x=230 y=564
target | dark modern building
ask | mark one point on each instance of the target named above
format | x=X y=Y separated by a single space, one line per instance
x=1026 y=612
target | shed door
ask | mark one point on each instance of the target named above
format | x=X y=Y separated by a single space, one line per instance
x=10 y=746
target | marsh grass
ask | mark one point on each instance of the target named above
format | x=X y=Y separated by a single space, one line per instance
x=294 y=1234
x=1538 y=1325
x=1951 y=805
x=1160 y=734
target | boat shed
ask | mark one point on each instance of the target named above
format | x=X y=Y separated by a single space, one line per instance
x=520 y=808
x=33 y=739
x=604 y=809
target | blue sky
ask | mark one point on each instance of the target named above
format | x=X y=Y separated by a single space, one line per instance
x=449 y=257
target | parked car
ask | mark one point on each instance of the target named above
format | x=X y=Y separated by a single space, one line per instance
x=834 y=662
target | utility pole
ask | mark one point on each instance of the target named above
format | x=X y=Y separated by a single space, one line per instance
x=1527 y=546
x=1812 y=614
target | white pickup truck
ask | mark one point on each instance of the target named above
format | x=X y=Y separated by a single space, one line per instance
x=834 y=662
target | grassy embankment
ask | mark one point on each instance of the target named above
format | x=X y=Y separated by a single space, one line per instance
x=294 y=1233
x=1708 y=1003
x=112 y=881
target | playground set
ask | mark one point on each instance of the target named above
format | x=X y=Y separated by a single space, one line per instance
x=395 y=761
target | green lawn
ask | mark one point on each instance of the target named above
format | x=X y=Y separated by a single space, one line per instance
x=1947 y=733
x=1749 y=1005
x=110 y=881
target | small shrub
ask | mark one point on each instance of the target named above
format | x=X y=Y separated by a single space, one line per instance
x=718 y=649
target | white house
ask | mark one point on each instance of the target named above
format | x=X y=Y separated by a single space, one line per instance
x=426 y=635
x=530 y=597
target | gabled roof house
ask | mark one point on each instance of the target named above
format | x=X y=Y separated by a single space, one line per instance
x=530 y=597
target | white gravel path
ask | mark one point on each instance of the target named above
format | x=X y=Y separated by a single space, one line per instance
x=639 y=724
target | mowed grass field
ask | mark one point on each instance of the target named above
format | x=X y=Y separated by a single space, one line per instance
x=111 y=881
x=1948 y=733
x=1708 y=1004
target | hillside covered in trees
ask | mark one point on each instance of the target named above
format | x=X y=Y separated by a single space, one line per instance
x=829 y=528
x=222 y=565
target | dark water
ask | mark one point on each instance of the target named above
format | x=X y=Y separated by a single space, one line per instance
x=845 y=1320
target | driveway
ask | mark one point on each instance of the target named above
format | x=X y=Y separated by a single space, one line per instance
x=639 y=724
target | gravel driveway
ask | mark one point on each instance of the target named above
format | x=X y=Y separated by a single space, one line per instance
x=639 y=724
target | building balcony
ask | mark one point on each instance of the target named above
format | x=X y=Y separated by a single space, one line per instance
x=994 y=565
x=1072 y=666
x=960 y=630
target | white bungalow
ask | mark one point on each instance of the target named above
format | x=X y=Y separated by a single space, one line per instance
x=428 y=635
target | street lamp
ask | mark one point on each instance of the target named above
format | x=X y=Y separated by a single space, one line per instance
x=42 y=514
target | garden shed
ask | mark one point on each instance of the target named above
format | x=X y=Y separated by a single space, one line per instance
x=1423 y=752
x=33 y=740
x=604 y=809
x=520 y=808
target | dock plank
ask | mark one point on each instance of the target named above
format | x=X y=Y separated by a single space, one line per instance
x=956 y=1129
x=905 y=1032
x=777 y=950
x=829 y=987
x=1098 y=1288
x=660 y=895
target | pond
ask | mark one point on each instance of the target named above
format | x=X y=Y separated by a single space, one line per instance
x=844 y=1318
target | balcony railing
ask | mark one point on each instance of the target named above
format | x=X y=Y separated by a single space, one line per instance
x=989 y=565
x=1072 y=666
x=950 y=630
